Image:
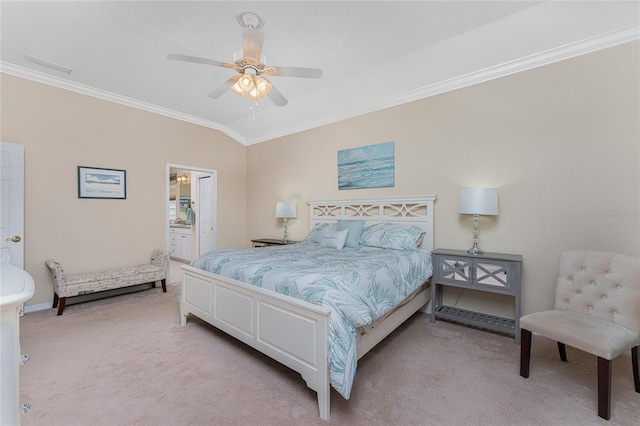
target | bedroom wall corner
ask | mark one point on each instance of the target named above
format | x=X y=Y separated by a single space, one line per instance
x=61 y=130
x=560 y=142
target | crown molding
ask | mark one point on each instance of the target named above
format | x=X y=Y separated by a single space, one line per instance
x=547 y=57
x=61 y=83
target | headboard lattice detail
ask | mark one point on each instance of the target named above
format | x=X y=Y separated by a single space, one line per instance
x=417 y=210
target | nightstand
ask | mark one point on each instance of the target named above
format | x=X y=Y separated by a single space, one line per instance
x=489 y=272
x=266 y=242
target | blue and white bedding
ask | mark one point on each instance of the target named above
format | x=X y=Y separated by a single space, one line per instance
x=359 y=285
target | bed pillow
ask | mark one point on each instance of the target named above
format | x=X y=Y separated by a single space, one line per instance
x=355 y=230
x=373 y=235
x=390 y=236
x=334 y=239
x=316 y=233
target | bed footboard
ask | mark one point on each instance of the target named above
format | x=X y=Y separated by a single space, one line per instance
x=290 y=331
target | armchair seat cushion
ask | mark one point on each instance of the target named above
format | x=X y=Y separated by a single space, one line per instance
x=600 y=337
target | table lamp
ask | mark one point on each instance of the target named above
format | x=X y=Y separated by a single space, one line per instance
x=285 y=210
x=478 y=201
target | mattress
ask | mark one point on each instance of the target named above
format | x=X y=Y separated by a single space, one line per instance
x=359 y=285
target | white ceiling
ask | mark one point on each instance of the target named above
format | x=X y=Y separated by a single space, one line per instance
x=374 y=54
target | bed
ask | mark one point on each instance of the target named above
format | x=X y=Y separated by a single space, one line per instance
x=256 y=314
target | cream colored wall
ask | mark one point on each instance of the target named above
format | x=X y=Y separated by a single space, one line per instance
x=61 y=130
x=561 y=144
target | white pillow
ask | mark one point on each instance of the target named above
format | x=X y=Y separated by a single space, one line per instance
x=334 y=239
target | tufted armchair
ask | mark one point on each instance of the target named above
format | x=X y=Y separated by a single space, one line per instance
x=597 y=310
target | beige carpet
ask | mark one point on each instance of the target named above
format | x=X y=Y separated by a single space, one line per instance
x=127 y=361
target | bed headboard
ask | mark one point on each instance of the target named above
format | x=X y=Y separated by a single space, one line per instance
x=415 y=210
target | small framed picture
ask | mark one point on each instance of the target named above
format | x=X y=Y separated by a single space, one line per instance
x=94 y=182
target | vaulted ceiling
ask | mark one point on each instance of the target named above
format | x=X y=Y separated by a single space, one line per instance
x=374 y=54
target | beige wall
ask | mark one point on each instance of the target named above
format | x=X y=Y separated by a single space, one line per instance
x=561 y=144
x=61 y=130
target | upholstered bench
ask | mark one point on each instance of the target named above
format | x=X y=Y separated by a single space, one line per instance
x=69 y=285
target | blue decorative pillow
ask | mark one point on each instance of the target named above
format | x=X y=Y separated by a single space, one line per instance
x=316 y=233
x=355 y=229
x=334 y=239
x=390 y=236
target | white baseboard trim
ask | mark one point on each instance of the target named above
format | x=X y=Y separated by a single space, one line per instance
x=37 y=307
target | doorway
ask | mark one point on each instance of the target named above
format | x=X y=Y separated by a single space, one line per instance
x=191 y=205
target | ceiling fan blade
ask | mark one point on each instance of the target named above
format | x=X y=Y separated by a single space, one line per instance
x=276 y=97
x=198 y=60
x=252 y=41
x=222 y=89
x=294 y=72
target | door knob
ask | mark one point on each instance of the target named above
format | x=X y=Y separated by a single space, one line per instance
x=14 y=239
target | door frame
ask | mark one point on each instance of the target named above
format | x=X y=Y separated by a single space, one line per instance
x=16 y=204
x=214 y=204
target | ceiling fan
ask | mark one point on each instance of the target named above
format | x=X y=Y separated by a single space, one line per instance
x=251 y=65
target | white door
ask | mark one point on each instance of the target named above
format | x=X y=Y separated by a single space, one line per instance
x=12 y=203
x=204 y=215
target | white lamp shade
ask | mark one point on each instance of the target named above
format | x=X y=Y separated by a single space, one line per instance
x=285 y=209
x=479 y=201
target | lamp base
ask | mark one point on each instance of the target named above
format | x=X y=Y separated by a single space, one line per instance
x=475 y=250
x=285 y=239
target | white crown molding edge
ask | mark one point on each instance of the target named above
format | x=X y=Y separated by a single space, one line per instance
x=61 y=83
x=550 y=56
x=504 y=69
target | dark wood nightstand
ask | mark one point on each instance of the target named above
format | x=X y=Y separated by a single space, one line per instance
x=266 y=242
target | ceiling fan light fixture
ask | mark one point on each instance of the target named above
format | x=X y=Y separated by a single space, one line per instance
x=262 y=87
x=236 y=89
x=246 y=82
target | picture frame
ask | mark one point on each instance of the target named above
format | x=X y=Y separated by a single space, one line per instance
x=371 y=166
x=96 y=182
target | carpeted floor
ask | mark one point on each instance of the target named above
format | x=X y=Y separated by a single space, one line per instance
x=126 y=360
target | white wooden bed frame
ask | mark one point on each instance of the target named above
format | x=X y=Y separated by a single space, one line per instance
x=258 y=317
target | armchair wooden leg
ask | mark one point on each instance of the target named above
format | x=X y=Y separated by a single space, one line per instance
x=636 y=368
x=604 y=388
x=562 y=350
x=525 y=352
x=164 y=286
x=55 y=300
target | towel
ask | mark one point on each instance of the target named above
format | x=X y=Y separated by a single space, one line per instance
x=191 y=217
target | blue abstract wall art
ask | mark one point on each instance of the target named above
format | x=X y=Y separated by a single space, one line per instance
x=371 y=166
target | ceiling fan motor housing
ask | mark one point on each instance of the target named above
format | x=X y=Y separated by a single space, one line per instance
x=250 y=20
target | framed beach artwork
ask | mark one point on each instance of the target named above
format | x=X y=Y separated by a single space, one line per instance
x=371 y=166
x=94 y=182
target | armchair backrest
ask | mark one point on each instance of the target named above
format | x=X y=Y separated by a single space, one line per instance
x=601 y=284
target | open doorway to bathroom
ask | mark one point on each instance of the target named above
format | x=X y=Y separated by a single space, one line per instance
x=191 y=205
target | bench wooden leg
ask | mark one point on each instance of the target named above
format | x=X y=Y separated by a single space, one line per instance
x=164 y=286
x=63 y=300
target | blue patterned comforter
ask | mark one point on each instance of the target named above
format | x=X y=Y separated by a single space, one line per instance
x=359 y=285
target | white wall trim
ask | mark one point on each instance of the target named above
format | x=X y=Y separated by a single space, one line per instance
x=550 y=56
x=38 y=307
